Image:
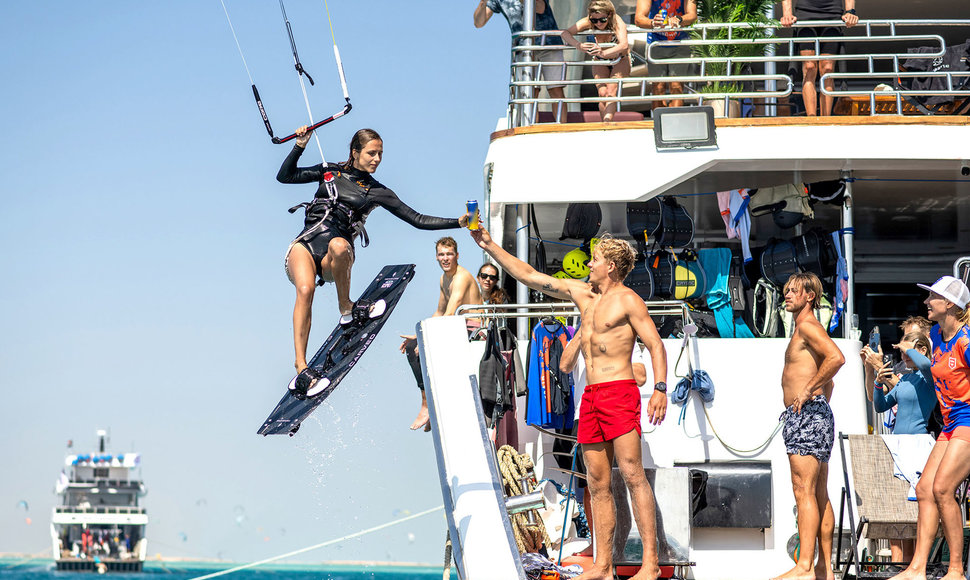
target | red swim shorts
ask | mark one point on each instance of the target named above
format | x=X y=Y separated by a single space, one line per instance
x=961 y=432
x=609 y=410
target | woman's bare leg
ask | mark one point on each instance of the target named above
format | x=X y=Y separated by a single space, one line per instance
x=302 y=272
x=336 y=268
x=928 y=520
x=953 y=469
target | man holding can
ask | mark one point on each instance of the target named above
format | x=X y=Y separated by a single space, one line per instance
x=667 y=18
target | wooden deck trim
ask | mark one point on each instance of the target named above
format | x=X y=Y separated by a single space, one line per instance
x=898 y=120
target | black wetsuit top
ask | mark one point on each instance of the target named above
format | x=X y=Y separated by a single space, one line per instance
x=358 y=193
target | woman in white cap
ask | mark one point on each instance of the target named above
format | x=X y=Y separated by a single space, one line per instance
x=949 y=462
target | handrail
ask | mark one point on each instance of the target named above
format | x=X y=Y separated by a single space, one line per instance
x=759 y=86
x=532 y=309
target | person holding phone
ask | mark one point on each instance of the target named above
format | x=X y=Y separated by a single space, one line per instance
x=606 y=27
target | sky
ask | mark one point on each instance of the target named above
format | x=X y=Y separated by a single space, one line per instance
x=142 y=234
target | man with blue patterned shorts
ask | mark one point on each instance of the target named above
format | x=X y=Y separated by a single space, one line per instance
x=811 y=361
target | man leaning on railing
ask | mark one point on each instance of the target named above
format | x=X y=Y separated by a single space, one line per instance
x=811 y=10
x=660 y=14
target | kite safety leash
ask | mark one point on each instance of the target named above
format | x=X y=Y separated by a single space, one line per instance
x=301 y=72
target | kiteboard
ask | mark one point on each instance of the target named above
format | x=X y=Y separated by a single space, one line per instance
x=340 y=352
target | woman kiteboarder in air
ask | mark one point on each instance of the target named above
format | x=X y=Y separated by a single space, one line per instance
x=324 y=250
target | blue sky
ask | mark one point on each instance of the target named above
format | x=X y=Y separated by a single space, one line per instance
x=141 y=241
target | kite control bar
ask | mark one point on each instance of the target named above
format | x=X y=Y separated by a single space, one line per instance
x=312 y=127
x=318 y=124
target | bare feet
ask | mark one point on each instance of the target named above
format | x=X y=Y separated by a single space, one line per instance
x=597 y=574
x=422 y=420
x=647 y=573
x=823 y=572
x=797 y=573
x=954 y=575
x=910 y=574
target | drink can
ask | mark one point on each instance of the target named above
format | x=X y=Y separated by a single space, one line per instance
x=471 y=206
x=663 y=16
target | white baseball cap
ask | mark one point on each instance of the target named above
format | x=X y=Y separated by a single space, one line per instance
x=953 y=289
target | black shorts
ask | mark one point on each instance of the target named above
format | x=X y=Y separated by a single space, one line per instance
x=316 y=239
x=821 y=32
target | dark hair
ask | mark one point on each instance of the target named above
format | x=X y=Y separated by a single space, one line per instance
x=361 y=137
x=497 y=295
x=448 y=242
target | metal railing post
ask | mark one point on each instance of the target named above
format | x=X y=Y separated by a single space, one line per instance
x=848 y=240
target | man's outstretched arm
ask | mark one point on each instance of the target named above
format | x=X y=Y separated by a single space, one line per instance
x=524 y=272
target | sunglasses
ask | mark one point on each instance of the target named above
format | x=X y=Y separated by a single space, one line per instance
x=492 y=277
x=603 y=20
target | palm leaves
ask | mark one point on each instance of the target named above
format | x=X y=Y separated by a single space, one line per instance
x=728 y=11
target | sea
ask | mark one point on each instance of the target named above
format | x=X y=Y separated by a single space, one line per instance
x=40 y=569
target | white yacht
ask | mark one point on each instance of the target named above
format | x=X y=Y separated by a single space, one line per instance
x=98 y=524
x=895 y=163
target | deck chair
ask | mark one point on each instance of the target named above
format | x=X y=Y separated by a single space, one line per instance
x=880 y=499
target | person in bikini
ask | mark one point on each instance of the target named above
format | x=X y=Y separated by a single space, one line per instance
x=605 y=26
x=609 y=420
x=324 y=250
x=458 y=287
x=949 y=462
x=811 y=362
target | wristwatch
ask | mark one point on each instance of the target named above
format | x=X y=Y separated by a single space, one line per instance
x=849 y=11
x=660 y=387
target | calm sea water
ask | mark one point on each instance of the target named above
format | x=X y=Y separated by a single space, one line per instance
x=44 y=570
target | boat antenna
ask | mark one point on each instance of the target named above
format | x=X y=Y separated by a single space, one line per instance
x=300 y=73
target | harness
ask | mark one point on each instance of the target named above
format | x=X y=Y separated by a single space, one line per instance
x=330 y=204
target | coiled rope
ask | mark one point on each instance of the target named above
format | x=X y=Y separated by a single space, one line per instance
x=515 y=469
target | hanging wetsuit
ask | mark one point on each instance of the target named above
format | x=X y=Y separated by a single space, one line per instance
x=549 y=404
x=357 y=194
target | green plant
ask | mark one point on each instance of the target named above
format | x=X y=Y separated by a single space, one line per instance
x=730 y=11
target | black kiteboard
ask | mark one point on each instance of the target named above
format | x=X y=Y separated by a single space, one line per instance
x=341 y=351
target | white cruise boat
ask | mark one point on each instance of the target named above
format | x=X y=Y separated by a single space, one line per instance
x=902 y=216
x=98 y=523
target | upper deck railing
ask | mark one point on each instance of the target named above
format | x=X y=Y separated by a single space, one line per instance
x=875 y=50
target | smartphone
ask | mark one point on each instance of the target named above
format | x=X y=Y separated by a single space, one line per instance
x=591 y=38
x=887 y=359
x=874 y=338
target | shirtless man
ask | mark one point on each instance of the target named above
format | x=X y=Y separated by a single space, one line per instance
x=609 y=417
x=458 y=287
x=811 y=361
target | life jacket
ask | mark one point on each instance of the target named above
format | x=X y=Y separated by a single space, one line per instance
x=662 y=265
x=640 y=278
x=778 y=261
x=823 y=314
x=764 y=309
x=814 y=253
x=496 y=374
x=643 y=221
x=690 y=280
x=788 y=204
x=676 y=225
x=582 y=221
